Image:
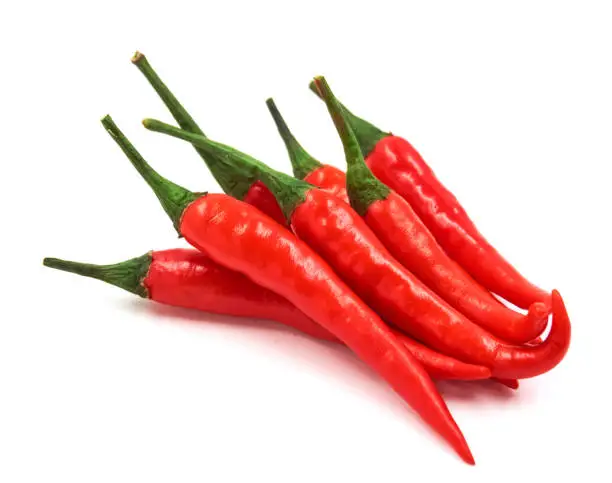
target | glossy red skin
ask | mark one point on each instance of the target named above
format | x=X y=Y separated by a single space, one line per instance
x=333 y=180
x=403 y=233
x=241 y=238
x=412 y=244
x=188 y=278
x=330 y=179
x=397 y=164
x=440 y=366
x=262 y=198
x=337 y=233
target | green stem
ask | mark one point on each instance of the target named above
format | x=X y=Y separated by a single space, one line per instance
x=362 y=187
x=367 y=134
x=128 y=275
x=177 y=110
x=225 y=153
x=289 y=192
x=237 y=187
x=173 y=198
x=303 y=163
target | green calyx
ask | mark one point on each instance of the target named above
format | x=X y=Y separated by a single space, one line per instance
x=173 y=198
x=128 y=275
x=367 y=134
x=362 y=187
x=303 y=163
x=233 y=185
x=289 y=192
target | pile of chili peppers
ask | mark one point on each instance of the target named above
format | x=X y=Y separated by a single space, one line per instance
x=381 y=258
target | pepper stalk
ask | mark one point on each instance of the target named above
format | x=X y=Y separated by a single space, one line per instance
x=363 y=188
x=302 y=163
x=289 y=192
x=367 y=134
x=236 y=186
x=127 y=275
x=173 y=198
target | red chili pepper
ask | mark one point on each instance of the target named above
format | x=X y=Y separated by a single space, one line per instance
x=241 y=187
x=340 y=236
x=398 y=164
x=412 y=244
x=188 y=278
x=258 y=195
x=305 y=167
x=241 y=238
x=333 y=180
x=402 y=232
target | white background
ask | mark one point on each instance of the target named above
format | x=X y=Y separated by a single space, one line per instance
x=511 y=105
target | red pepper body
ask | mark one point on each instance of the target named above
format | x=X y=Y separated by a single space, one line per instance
x=402 y=232
x=438 y=365
x=476 y=306
x=397 y=164
x=343 y=239
x=243 y=239
x=188 y=278
x=412 y=244
x=330 y=179
x=441 y=366
x=262 y=198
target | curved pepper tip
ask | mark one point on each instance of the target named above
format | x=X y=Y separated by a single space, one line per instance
x=537 y=316
x=527 y=361
x=559 y=310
